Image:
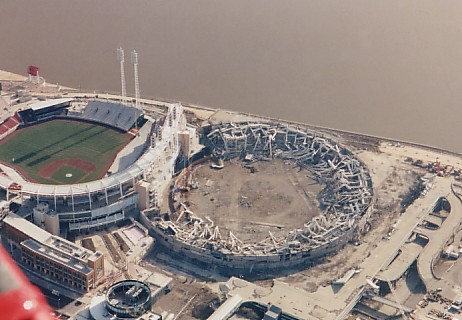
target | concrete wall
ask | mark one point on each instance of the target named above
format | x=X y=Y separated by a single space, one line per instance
x=248 y=265
x=307 y=149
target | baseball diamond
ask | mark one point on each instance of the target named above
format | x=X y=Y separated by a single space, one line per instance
x=62 y=151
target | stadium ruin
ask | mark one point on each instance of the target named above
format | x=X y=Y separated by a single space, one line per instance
x=163 y=143
x=345 y=199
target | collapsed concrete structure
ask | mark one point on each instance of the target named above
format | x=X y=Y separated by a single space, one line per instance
x=345 y=199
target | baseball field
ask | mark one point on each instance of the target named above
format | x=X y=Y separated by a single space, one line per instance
x=62 y=151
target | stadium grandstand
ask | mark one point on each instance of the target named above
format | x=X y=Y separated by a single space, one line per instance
x=9 y=125
x=44 y=110
x=114 y=114
x=133 y=185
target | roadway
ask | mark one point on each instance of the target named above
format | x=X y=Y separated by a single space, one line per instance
x=385 y=252
x=336 y=303
x=437 y=240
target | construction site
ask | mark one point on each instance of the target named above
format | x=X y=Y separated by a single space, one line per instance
x=235 y=197
x=314 y=225
x=238 y=216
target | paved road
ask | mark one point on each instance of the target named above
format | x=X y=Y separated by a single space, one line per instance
x=386 y=251
x=327 y=303
x=438 y=240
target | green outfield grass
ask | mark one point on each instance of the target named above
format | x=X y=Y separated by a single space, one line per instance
x=34 y=148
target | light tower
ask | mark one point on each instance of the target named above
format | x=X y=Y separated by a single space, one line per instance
x=120 y=57
x=137 y=85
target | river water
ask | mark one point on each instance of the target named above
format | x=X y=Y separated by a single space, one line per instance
x=391 y=68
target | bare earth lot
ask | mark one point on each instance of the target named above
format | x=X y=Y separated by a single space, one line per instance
x=277 y=197
x=392 y=179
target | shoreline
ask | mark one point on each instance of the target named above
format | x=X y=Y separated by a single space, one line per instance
x=9 y=76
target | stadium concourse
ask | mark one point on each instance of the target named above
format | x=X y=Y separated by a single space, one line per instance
x=139 y=172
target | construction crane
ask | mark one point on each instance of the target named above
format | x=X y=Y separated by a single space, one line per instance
x=185 y=186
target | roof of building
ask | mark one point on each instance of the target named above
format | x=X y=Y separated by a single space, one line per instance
x=57 y=256
x=49 y=103
x=158 y=280
x=98 y=311
x=54 y=247
x=69 y=248
x=227 y=308
x=26 y=227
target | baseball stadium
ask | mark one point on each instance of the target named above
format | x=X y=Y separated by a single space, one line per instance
x=80 y=165
x=85 y=159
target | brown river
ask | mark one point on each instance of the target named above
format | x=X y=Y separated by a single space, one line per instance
x=391 y=68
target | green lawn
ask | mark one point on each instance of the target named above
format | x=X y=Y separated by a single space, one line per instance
x=34 y=147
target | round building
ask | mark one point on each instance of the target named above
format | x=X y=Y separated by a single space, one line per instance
x=344 y=199
x=128 y=299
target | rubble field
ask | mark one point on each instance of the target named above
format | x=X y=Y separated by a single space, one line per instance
x=250 y=199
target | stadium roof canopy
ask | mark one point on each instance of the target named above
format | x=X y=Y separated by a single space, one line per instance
x=49 y=103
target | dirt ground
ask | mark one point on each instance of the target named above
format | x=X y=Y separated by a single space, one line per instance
x=49 y=169
x=192 y=300
x=278 y=197
x=189 y=298
x=277 y=181
x=392 y=181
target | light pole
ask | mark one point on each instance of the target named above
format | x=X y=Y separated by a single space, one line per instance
x=121 y=58
x=58 y=295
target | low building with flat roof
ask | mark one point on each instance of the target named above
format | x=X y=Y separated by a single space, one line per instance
x=52 y=257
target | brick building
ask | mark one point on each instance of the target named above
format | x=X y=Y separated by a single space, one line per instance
x=52 y=257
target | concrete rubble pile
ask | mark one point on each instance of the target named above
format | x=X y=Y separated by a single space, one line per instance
x=345 y=199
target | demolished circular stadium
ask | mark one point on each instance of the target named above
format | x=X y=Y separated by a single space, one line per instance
x=345 y=199
x=144 y=169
